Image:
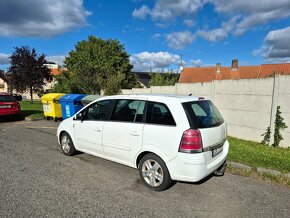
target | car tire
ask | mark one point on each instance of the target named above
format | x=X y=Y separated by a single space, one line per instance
x=67 y=145
x=154 y=173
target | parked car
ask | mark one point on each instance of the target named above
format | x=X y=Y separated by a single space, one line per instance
x=168 y=138
x=18 y=97
x=8 y=105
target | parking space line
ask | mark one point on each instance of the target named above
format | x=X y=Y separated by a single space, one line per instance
x=23 y=123
x=41 y=127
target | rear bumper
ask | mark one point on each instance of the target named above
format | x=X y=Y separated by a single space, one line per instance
x=7 y=113
x=195 y=167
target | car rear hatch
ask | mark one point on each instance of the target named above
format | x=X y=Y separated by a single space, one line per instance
x=8 y=103
x=205 y=117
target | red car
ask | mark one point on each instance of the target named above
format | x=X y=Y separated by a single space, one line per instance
x=8 y=105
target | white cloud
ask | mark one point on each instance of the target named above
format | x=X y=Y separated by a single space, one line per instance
x=196 y=63
x=4 y=58
x=141 y=13
x=44 y=18
x=213 y=35
x=179 y=40
x=253 y=13
x=156 y=61
x=169 y=9
x=189 y=23
x=276 y=46
x=156 y=36
x=241 y=14
x=58 y=59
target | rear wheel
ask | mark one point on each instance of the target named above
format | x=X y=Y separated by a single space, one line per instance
x=67 y=145
x=154 y=173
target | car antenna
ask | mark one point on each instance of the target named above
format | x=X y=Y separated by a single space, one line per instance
x=190 y=94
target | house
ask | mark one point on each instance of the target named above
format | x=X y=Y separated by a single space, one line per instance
x=49 y=83
x=208 y=74
x=3 y=82
x=143 y=78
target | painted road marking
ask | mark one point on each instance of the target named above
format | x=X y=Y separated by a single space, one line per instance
x=22 y=123
x=41 y=127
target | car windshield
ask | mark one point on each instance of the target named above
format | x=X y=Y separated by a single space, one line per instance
x=202 y=114
x=6 y=98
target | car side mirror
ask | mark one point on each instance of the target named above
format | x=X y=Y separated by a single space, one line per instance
x=79 y=116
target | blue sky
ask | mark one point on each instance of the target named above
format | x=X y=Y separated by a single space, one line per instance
x=155 y=32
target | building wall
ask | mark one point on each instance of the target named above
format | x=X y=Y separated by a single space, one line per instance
x=248 y=105
x=3 y=86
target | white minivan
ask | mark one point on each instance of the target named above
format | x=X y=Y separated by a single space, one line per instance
x=167 y=137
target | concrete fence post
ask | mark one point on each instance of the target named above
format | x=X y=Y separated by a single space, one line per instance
x=175 y=90
x=275 y=95
x=212 y=91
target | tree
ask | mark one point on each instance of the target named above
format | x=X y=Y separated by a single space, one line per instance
x=66 y=84
x=267 y=136
x=98 y=64
x=27 y=70
x=163 y=79
x=279 y=125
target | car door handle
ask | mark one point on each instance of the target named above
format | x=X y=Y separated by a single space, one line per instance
x=97 y=129
x=134 y=133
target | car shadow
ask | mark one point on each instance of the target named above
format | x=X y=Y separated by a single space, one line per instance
x=18 y=117
x=12 y=118
x=201 y=181
x=27 y=113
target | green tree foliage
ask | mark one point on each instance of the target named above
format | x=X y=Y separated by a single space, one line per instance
x=267 y=136
x=163 y=79
x=279 y=125
x=97 y=64
x=27 y=70
x=66 y=84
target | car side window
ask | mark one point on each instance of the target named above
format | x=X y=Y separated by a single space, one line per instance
x=158 y=113
x=97 y=111
x=128 y=110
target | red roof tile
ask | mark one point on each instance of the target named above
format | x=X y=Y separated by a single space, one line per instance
x=54 y=72
x=208 y=74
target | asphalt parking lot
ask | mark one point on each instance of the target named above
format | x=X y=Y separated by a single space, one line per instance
x=37 y=180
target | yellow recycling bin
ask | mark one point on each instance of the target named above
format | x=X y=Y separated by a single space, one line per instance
x=51 y=106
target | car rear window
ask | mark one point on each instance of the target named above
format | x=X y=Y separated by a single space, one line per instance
x=202 y=114
x=6 y=98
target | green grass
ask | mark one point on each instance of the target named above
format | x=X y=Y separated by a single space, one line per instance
x=33 y=111
x=257 y=155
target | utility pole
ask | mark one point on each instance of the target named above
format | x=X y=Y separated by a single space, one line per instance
x=180 y=63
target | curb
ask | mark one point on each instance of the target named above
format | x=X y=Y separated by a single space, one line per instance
x=258 y=169
x=34 y=119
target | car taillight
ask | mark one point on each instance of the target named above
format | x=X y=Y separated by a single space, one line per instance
x=191 y=142
x=16 y=105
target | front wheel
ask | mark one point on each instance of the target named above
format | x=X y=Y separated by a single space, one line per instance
x=67 y=145
x=154 y=173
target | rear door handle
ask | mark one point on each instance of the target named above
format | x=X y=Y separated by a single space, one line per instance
x=134 y=133
x=97 y=129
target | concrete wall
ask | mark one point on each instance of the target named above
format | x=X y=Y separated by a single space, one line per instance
x=249 y=106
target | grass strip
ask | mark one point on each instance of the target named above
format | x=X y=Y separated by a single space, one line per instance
x=33 y=111
x=257 y=155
